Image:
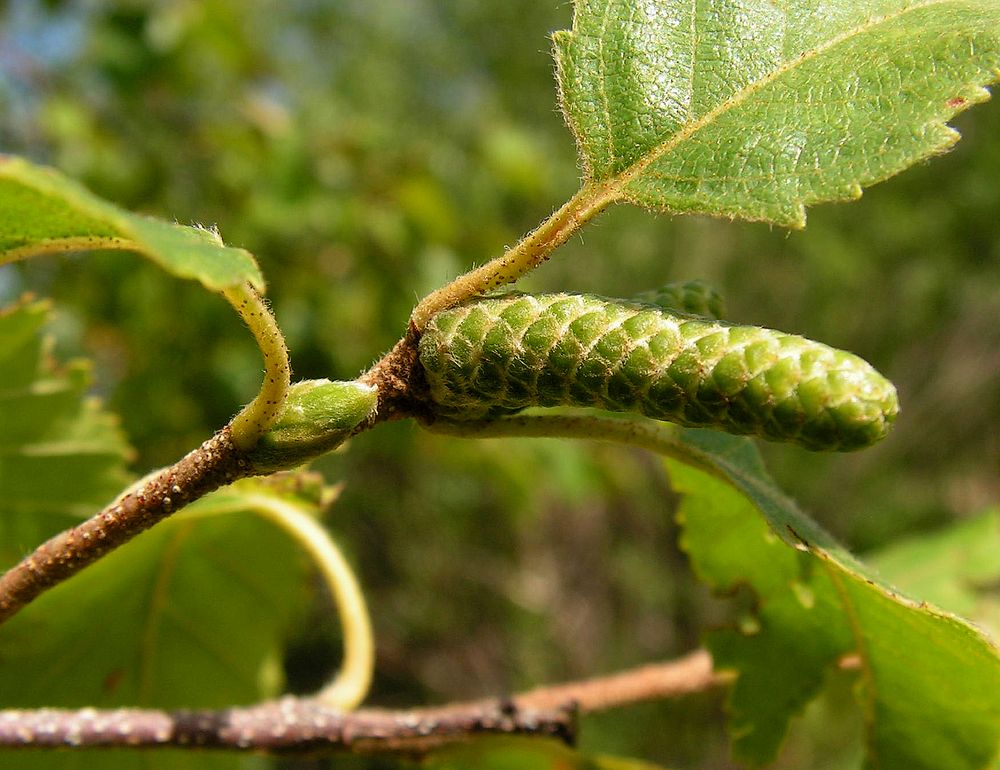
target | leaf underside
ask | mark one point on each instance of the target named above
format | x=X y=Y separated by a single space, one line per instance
x=206 y=596
x=42 y=211
x=754 y=110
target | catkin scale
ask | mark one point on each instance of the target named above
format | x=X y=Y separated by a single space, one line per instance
x=498 y=355
x=695 y=297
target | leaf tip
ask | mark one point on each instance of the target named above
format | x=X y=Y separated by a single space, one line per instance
x=797 y=217
x=561 y=38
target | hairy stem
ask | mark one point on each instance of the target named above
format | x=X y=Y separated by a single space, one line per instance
x=528 y=254
x=398 y=376
x=214 y=464
x=350 y=686
x=310 y=725
x=260 y=414
x=219 y=461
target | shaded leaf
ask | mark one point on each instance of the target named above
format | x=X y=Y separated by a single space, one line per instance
x=203 y=597
x=43 y=211
x=798 y=631
x=755 y=110
x=192 y=613
x=62 y=456
x=931 y=682
x=524 y=754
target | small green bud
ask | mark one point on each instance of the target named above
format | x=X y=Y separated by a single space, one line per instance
x=318 y=416
x=498 y=355
x=695 y=297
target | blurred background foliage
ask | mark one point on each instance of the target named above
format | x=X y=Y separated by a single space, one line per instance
x=366 y=153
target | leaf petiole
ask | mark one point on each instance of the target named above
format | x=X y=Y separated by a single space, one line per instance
x=589 y=201
x=261 y=413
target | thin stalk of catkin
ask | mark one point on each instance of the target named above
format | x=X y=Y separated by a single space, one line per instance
x=260 y=414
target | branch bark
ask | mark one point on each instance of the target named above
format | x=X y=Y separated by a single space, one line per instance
x=289 y=725
x=214 y=464
x=306 y=725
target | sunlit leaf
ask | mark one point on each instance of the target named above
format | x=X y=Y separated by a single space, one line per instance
x=42 y=211
x=755 y=110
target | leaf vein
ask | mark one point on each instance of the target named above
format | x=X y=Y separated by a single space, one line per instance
x=639 y=167
x=605 y=102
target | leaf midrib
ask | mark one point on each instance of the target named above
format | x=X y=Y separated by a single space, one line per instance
x=620 y=181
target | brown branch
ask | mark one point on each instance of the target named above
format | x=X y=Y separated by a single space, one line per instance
x=290 y=725
x=215 y=463
x=305 y=725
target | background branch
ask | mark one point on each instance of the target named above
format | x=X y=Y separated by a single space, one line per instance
x=308 y=725
x=689 y=674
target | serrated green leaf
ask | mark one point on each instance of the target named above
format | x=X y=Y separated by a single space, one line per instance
x=205 y=596
x=755 y=110
x=931 y=682
x=784 y=651
x=61 y=455
x=43 y=211
x=192 y=612
x=957 y=568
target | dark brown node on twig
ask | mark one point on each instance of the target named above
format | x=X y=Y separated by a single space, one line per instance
x=402 y=385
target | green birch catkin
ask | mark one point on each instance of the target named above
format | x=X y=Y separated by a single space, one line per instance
x=497 y=355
